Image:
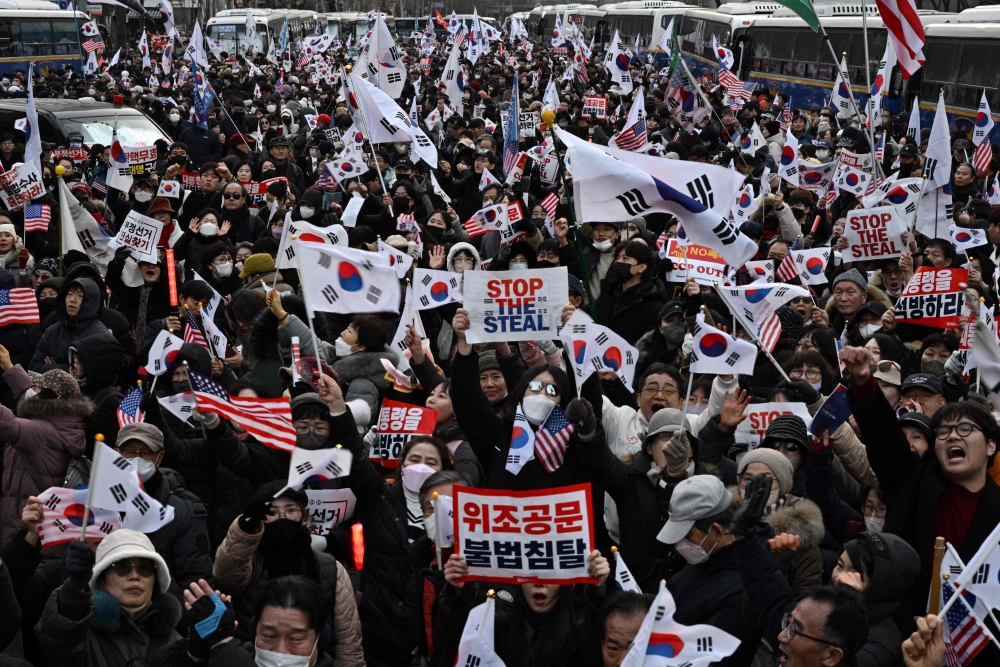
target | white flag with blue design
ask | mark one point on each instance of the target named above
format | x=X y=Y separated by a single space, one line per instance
x=714 y=351
x=522 y=443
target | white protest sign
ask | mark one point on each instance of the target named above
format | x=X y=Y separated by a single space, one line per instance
x=524 y=537
x=140 y=233
x=21 y=184
x=759 y=416
x=515 y=305
x=528 y=122
x=594 y=106
x=328 y=508
x=873 y=233
x=703 y=264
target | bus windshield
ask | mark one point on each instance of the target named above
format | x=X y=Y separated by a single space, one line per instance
x=232 y=39
x=132 y=130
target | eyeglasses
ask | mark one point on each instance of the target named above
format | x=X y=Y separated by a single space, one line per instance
x=302 y=428
x=537 y=386
x=123 y=568
x=893 y=272
x=789 y=627
x=667 y=392
x=964 y=429
x=886 y=366
x=870 y=510
x=798 y=374
x=233 y=195
x=789 y=446
x=292 y=514
x=800 y=300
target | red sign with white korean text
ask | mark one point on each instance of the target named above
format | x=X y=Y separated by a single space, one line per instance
x=524 y=537
x=190 y=181
x=933 y=297
x=75 y=154
x=397 y=424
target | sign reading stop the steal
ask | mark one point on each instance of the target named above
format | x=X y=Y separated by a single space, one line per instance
x=873 y=233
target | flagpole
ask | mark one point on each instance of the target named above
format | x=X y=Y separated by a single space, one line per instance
x=194 y=397
x=958 y=560
x=753 y=334
x=371 y=147
x=877 y=168
x=310 y=313
x=437 y=532
x=99 y=439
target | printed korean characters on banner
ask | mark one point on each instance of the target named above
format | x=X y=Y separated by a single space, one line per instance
x=760 y=415
x=703 y=264
x=397 y=424
x=874 y=233
x=933 y=297
x=62 y=517
x=515 y=305
x=524 y=537
x=21 y=184
x=140 y=234
x=594 y=107
x=141 y=159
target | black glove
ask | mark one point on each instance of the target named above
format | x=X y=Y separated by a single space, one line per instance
x=122 y=254
x=253 y=516
x=664 y=266
x=503 y=255
x=79 y=564
x=525 y=225
x=581 y=413
x=809 y=395
x=210 y=621
x=754 y=502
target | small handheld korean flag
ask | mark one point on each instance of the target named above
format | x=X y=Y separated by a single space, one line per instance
x=967 y=238
x=714 y=351
x=475 y=649
x=761 y=271
x=161 y=354
x=345 y=280
x=984 y=122
x=317 y=465
x=622 y=574
x=841 y=96
x=744 y=205
x=576 y=340
x=811 y=265
x=788 y=165
x=754 y=140
x=522 y=443
x=114 y=485
x=613 y=353
x=486 y=179
x=663 y=642
x=433 y=288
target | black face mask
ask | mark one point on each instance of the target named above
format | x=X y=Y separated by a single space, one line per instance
x=312 y=441
x=283 y=544
x=674 y=333
x=49 y=183
x=404 y=177
x=799 y=213
x=268 y=174
x=538 y=222
x=400 y=204
x=545 y=264
x=181 y=387
x=621 y=271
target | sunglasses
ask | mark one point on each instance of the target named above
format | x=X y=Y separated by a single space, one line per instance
x=123 y=568
x=537 y=386
x=886 y=366
x=233 y=195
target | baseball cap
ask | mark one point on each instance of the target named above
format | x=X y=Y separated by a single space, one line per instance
x=909 y=150
x=888 y=371
x=931 y=383
x=697 y=497
x=920 y=420
x=665 y=420
x=148 y=434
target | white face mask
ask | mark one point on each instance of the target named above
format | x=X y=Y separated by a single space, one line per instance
x=30 y=393
x=175 y=117
x=604 y=246
x=307 y=211
x=343 y=348
x=271 y=108
x=143 y=195
x=869 y=330
x=816 y=385
x=143 y=467
x=536 y=408
x=414 y=476
x=91 y=91
x=873 y=525
x=518 y=267
x=224 y=270
x=822 y=153
x=264 y=658
x=430 y=522
x=210 y=229
x=771 y=499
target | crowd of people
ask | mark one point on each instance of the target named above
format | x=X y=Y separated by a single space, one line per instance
x=811 y=549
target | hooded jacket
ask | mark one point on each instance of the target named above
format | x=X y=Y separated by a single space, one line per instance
x=362 y=376
x=101 y=356
x=45 y=434
x=56 y=340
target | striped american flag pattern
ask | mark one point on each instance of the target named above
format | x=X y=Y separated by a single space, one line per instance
x=786 y=117
x=552 y=438
x=549 y=204
x=770 y=331
x=37 y=217
x=192 y=332
x=983 y=156
x=786 y=270
x=633 y=137
x=93 y=45
x=903 y=24
x=128 y=409
x=512 y=130
x=963 y=636
x=880 y=147
x=269 y=420
x=303 y=59
x=18 y=306
x=729 y=80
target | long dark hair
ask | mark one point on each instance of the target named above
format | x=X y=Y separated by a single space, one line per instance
x=561 y=636
x=814 y=358
x=558 y=375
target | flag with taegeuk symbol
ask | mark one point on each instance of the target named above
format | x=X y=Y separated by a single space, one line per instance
x=62 y=517
x=128 y=409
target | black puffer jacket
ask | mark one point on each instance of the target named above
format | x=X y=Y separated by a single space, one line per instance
x=630 y=313
x=101 y=356
x=56 y=340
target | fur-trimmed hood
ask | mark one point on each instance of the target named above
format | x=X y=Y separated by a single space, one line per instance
x=874 y=294
x=363 y=364
x=798 y=516
x=55 y=409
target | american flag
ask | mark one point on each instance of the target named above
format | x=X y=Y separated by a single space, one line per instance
x=128 y=409
x=786 y=117
x=303 y=59
x=100 y=186
x=552 y=438
x=880 y=147
x=770 y=331
x=634 y=137
x=787 y=270
x=269 y=420
x=279 y=85
x=192 y=332
x=983 y=156
x=963 y=636
x=460 y=39
x=93 y=45
x=550 y=203
x=512 y=130
x=37 y=217
x=18 y=306
x=326 y=182
x=728 y=79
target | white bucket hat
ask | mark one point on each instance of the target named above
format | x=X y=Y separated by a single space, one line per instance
x=123 y=544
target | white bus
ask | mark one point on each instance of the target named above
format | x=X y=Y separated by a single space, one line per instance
x=40 y=32
x=228 y=28
x=647 y=19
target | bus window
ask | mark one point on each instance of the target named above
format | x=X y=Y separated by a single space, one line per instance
x=942 y=63
x=761 y=47
x=7 y=37
x=977 y=72
x=64 y=36
x=689 y=37
x=36 y=38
